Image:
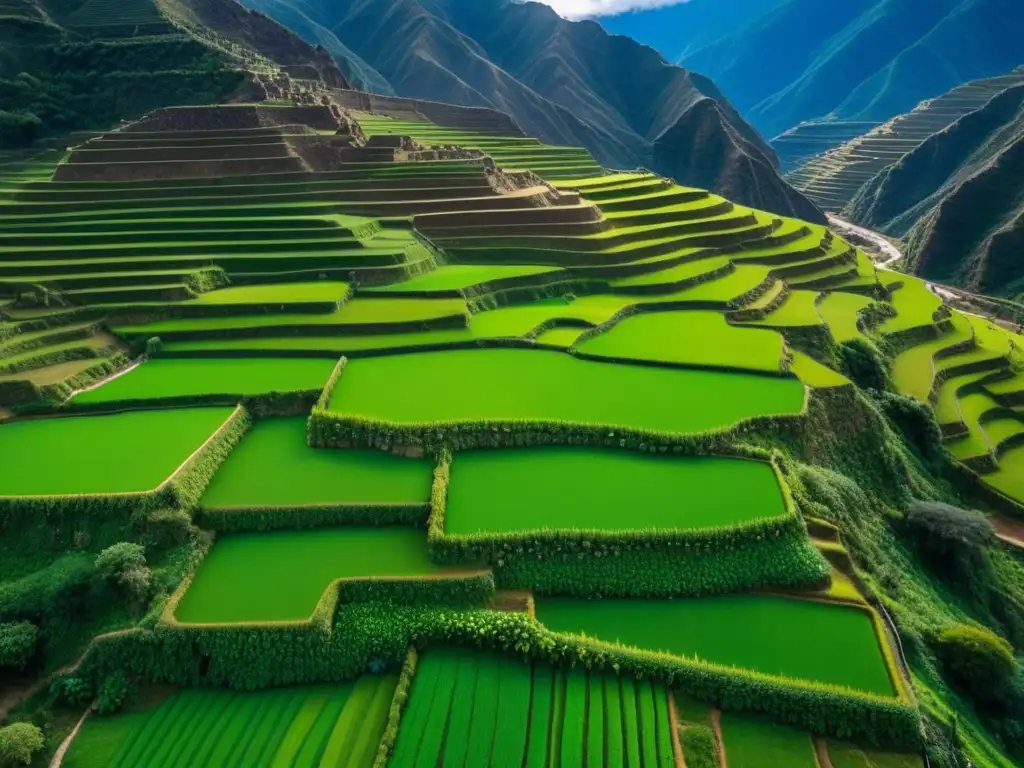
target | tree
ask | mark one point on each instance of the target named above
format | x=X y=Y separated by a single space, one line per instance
x=18 y=642
x=977 y=659
x=19 y=743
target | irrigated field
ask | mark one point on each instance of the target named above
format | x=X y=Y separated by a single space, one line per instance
x=511 y=384
x=575 y=488
x=281 y=576
x=236 y=378
x=476 y=709
x=337 y=725
x=274 y=467
x=800 y=639
x=116 y=453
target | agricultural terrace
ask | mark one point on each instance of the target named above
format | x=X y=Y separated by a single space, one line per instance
x=281 y=576
x=584 y=489
x=840 y=312
x=476 y=709
x=302 y=727
x=458 y=277
x=698 y=339
x=274 y=467
x=799 y=639
x=232 y=377
x=117 y=453
x=751 y=743
x=497 y=384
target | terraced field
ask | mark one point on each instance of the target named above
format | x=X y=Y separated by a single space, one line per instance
x=480 y=383
x=311 y=726
x=471 y=708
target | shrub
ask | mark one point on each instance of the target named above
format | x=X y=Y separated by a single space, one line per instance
x=18 y=642
x=864 y=364
x=124 y=564
x=699 y=747
x=945 y=530
x=19 y=743
x=154 y=346
x=163 y=528
x=914 y=420
x=115 y=691
x=73 y=691
x=977 y=659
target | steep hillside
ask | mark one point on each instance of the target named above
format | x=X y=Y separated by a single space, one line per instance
x=564 y=82
x=835 y=177
x=860 y=60
x=959 y=199
x=69 y=65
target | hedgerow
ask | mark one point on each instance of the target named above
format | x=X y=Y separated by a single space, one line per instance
x=240 y=519
x=398 y=702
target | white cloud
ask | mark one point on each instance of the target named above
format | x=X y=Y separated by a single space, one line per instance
x=579 y=9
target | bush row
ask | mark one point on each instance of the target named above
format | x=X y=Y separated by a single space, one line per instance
x=398 y=701
x=291 y=403
x=241 y=519
x=364 y=635
x=590 y=563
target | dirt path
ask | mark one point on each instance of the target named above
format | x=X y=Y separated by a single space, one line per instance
x=674 y=724
x=1010 y=531
x=15 y=691
x=716 y=726
x=821 y=750
x=58 y=756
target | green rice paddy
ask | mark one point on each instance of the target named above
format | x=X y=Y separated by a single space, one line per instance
x=799 y=639
x=117 y=453
x=277 y=293
x=700 y=339
x=751 y=742
x=458 y=276
x=281 y=576
x=846 y=755
x=274 y=467
x=471 y=385
x=575 y=488
x=840 y=312
x=476 y=709
x=302 y=727
x=236 y=377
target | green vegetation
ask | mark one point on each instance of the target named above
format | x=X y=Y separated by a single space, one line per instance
x=699 y=339
x=801 y=639
x=488 y=709
x=475 y=386
x=281 y=576
x=841 y=311
x=699 y=747
x=273 y=467
x=845 y=755
x=572 y=488
x=750 y=743
x=158 y=379
x=290 y=726
x=116 y=453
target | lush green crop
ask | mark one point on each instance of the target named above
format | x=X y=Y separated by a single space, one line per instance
x=116 y=453
x=237 y=377
x=752 y=743
x=456 y=276
x=273 y=466
x=517 y=384
x=578 y=488
x=696 y=338
x=840 y=313
x=846 y=755
x=273 y=294
x=291 y=726
x=281 y=576
x=800 y=639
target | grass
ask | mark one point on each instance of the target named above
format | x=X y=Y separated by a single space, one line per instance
x=701 y=339
x=846 y=755
x=454 y=277
x=840 y=312
x=800 y=639
x=470 y=385
x=281 y=576
x=117 y=453
x=752 y=742
x=218 y=728
x=578 y=488
x=276 y=293
x=238 y=377
x=273 y=466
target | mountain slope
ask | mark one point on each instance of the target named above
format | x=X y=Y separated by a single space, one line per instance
x=959 y=199
x=861 y=60
x=564 y=82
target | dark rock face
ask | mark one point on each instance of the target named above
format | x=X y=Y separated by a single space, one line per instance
x=959 y=199
x=564 y=82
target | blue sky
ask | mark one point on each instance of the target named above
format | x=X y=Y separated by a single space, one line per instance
x=577 y=9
